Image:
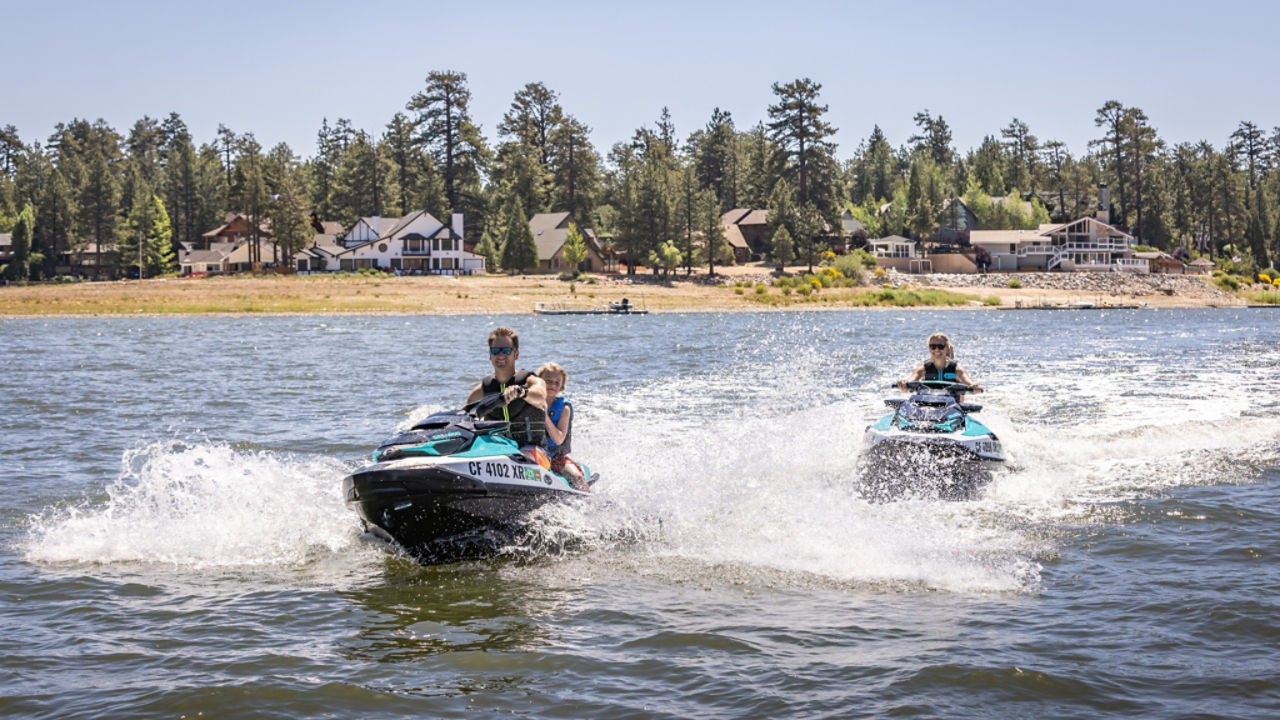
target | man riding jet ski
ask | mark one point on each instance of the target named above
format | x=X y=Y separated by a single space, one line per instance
x=455 y=486
x=459 y=484
x=929 y=445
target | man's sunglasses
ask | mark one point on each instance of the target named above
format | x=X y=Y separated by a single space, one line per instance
x=933 y=346
x=501 y=350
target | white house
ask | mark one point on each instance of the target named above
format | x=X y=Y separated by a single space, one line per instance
x=1084 y=244
x=414 y=244
x=894 y=246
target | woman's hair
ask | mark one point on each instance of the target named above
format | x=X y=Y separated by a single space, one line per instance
x=554 y=368
x=951 y=349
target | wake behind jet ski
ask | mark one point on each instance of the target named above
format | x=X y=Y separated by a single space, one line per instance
x=455 y=487
x=929 y=446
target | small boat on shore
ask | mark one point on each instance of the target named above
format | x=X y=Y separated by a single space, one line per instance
x=624 y=307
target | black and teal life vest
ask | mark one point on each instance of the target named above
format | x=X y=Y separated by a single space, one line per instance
x=948 y=373
x=528 y=422
x=554 y=411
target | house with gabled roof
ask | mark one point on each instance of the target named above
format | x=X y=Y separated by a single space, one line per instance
x=752 y=227
x=416 y=244
x=1200 y=266
x=1086 y=244
x=551 y=230
x=235 y=229
x=211 y=261
x=747 y=232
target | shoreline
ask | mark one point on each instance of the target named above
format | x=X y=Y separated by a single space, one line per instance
x=732 y=290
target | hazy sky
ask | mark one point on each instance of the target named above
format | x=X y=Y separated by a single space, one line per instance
x=278 y=68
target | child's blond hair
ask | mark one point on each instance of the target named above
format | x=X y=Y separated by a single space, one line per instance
x=553 y=367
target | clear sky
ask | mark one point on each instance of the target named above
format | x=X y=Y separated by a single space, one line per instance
x=278 y=68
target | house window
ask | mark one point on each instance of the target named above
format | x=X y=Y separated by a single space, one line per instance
x=447 y=245
x=215 y=268
x=435 y=244
x=346 y=265
x=447 y=263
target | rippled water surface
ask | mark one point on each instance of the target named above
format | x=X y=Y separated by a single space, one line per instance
x=174 y=539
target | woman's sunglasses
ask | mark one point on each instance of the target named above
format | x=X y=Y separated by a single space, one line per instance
x=501 y=350
x=935 y=346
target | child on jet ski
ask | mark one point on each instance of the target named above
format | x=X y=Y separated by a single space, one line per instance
x=941 y=365
x=559 y=422
x=524 y=392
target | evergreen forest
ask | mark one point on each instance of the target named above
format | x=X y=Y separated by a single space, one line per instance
x=148 y=188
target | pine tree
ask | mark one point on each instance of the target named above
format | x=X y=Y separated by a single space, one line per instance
x=99 y=198
x=716 y=246
x=147 y=239
x=446 y=132
x=487 y=249
x=783 y=248
x=519 y=251
x=19 y=267
x=575 y=168
x=796 y=125
x=575 y=248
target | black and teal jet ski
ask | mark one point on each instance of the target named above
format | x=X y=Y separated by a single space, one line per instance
x=930 y=445
x=455 y=487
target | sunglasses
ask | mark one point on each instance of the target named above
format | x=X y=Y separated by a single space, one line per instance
x=501 y=350
x=935 y=346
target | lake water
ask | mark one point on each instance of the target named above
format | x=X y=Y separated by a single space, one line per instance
x=174 y=541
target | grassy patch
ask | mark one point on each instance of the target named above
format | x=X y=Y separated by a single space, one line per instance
x=1261 y=297
x=884 y=297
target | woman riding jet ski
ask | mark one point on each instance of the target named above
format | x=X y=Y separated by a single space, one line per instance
x=929 y=445
x=454 y=487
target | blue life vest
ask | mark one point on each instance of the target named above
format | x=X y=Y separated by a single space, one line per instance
x=554 y=411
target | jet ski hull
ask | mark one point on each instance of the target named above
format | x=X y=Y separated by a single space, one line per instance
x=928 y=448
x=444 y=510
x=902 y=465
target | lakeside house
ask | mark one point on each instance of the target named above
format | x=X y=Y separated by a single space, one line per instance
x=1087 y=244
x=211 y=260
x=89 y=259
x=236 y=228
x=747 y=231
x=416 y=244
x=551 y=230
x=6 y=248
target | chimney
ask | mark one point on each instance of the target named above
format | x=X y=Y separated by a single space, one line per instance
x=457 y=224
x=1104 y=204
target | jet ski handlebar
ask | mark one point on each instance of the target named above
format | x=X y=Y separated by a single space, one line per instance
x=491 y=401
x=954 y=388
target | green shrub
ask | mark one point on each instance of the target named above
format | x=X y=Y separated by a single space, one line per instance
x=1227 y=282
x=1014 y=283
x=854 y=265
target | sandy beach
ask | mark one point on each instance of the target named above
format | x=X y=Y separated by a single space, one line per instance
x=503 y=294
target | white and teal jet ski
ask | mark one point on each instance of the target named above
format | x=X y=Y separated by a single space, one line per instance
x=930 y=445
x=455 y=487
